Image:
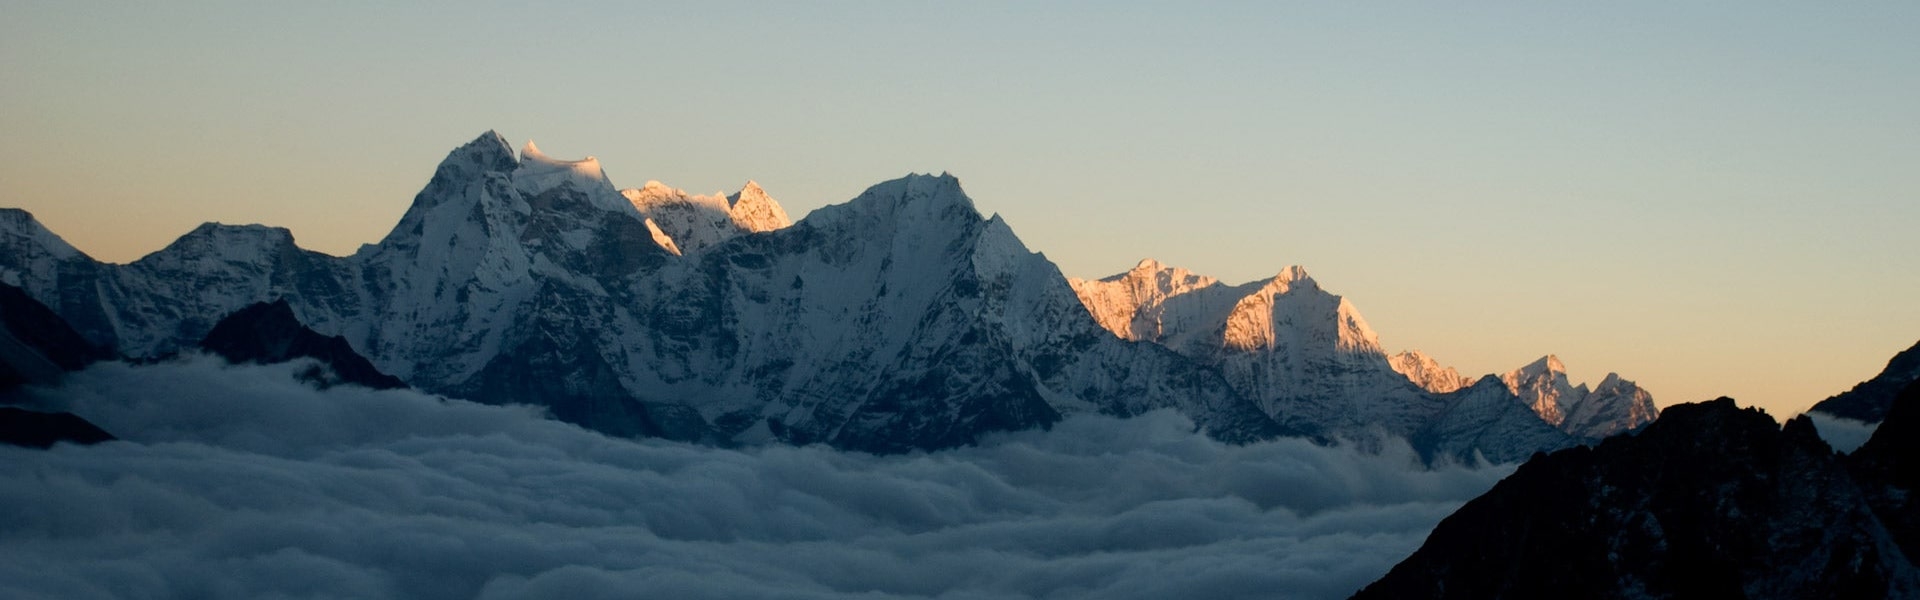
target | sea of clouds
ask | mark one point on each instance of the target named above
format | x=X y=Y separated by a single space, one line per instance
x=241 y=482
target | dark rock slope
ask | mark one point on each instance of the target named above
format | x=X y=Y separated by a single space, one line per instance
x=268 y=332
x=1710 y=501
x=36 y=345
x=1870 y=400
x=1888 y=469
x=35 y=429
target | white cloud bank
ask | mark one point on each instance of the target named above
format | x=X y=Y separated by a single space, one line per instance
x=1844 y=435
x=239 y=482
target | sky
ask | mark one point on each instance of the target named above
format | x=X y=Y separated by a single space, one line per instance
x=244 y=482
x=1711 y=199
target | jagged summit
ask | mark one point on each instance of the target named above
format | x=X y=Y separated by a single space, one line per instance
x=489 y=152
x=1545 y=364
x=1294 y=275
x=1616 y=405
x=754 y=210
x=1427 y=373
x=687 y=223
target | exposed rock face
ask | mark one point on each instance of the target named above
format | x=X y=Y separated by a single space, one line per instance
x=269 y=332
x=1869 y=401
x=1710 y=501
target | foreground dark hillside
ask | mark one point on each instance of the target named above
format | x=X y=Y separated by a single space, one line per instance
x=1710 y=501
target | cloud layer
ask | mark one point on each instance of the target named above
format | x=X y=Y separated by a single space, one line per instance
x=240 y=482
x=1844 y=435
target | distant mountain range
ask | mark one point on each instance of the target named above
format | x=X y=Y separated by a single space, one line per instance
x=900 y=320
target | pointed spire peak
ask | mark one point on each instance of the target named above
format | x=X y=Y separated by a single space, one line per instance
x=531 y=151
x=1545 y=364
x=1289 y=279
x=753 y=210
x=750 y=193
x=491 y=139
x=489 y=152
x=1294 y=274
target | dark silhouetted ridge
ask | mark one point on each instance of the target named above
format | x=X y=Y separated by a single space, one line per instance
x=1870 y=400
x=36 y=345
x=1888 y=469
x=268 y=332
x=34 y=429
x=1709 y=501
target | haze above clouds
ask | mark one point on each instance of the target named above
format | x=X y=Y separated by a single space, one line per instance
x=240 y=482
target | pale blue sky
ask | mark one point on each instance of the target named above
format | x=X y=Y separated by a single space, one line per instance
x=1710 y=199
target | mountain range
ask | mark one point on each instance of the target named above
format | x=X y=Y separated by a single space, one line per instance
x=900 y=320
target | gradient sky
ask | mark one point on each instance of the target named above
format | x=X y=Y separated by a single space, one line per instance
x=1714 y=199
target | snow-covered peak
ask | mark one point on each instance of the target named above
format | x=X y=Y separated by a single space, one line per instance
x=490 y=151
x=1294 y=275
x=753 y=210
x=1146 y=265
x=917 y=195
x=1611 y=381
x=694 y=222
x=1131 y=304
x=33 y=253
x=1542 y=385
x=1427 y=373
x=539 y=173
x=1614 y=406
x=221 y=242
x=655 y=195
x=19 y=231
x=1294 y=305
x=1544 y=365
